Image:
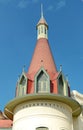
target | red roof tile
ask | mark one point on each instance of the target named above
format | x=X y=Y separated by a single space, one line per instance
x=42 y=57
x=42 y=21
x=5 y=123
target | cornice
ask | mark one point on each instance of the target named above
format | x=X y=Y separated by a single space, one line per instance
x=77 y=96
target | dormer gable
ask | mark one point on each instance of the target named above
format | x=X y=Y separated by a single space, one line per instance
x=63 y=86
x=42 y=81
x=22 y=85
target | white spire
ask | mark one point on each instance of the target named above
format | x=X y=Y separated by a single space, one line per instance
x=41 y=10
x=42 y=26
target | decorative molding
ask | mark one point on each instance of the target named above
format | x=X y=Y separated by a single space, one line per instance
x=61 y=107
x=77 y=96
x=48 y=78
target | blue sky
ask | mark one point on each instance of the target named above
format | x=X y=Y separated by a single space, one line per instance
x=18 y=19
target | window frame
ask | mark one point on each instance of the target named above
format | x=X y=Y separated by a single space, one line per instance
x=42 y=128
x=36 y=82
x=65 y=85
x=22 y=87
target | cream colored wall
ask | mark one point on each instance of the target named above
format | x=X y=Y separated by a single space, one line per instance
x=78 y=121
x=42 y=33
x=54 y=115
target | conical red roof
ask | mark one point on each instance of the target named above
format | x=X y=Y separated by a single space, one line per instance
x=42 y=21
x=42 y=57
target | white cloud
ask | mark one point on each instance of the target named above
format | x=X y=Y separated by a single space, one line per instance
x=20 y=3
x=50 y=8
x=57 y=5
x=60 y=4
x=23 y=3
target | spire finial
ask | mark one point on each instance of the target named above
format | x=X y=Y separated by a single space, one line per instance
x=23 y=68
x=60 y=67
x=41 y=10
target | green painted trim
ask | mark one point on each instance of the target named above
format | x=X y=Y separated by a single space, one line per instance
x=65 y=84
x=19 y=86
x=42 y=69
x=75 y=106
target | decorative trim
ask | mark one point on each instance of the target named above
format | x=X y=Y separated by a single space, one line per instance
x=42 y=69
x=19 y=85
x=62 y=107
x=65 y=84
x=77 y=96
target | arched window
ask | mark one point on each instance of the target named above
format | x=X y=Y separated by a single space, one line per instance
x=41 y=29
x=60 y=86
x=42 y=128
x=45 y=30
x=63 y=87
x=22 y=86
x=42 y=82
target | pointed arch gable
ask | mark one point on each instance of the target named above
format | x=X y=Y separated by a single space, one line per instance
x=62 y=85
x=42 y=81
x=22 y=85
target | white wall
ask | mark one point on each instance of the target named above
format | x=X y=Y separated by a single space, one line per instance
x=78 y=121
x=54 y=115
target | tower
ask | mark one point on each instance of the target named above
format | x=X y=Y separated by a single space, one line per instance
x=43 y=100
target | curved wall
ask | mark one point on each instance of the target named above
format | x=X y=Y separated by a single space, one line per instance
x=54 y=115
